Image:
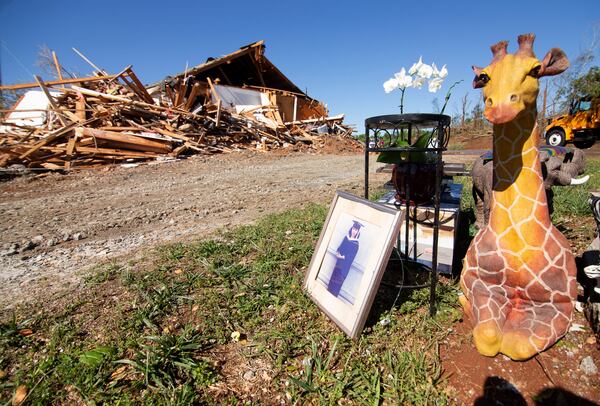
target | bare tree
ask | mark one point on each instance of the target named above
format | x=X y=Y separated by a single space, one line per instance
x=47 y=62
x=464 y=103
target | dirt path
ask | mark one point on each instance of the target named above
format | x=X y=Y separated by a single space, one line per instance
x=55 y=227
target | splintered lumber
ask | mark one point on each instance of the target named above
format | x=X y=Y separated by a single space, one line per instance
x=133 y=142
x=50 y=99
x=80 y=107
x=126 y=100
x=129 y=121
x=105 y=151
x=218 y=123
x=193 y=94
x=49 y=138
x=57 y=66
x=58 y=82
x=69 y=151
x=88 y=61
x=132 y=81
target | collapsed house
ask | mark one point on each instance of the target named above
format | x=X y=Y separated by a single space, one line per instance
x=237 y=101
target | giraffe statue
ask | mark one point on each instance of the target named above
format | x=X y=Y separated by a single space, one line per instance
x=518 y=278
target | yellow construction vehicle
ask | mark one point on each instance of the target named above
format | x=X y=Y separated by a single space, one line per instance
x=581 y=126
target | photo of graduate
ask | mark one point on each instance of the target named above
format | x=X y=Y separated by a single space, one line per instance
x=345 y=255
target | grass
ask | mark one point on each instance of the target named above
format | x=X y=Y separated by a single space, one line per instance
x=162 y=334
x=225 y=320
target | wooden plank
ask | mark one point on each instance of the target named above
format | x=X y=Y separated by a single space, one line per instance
x=57 y=65
x=141 y=88
x=69 y=152
x=80 y=107
x=136 y=143
x=90 y=62
x=57 y=82
x=115 y=128
x=49 y=138
x=212 y=89
x=256 y=65
x=133 y=83
x=193 y=95
x=50 y=99
x=109 y=151
x=129 y=101
x=181 y=93
x=219 y=113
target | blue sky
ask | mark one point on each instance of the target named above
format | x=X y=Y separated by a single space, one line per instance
x=341 y=52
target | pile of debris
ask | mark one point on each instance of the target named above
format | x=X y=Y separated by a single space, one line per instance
x=237 y=101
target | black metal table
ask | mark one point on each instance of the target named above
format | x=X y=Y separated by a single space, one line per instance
x=382 y=133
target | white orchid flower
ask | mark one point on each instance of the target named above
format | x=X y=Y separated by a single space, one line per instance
x=414 y=69
x=425 y=71
x=443 y=72
x=418 y=82
x=403 y=79
x=435 y=84
x=390 y=85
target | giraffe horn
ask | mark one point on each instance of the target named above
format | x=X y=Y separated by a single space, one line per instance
x=499 y=50
x=526 y=45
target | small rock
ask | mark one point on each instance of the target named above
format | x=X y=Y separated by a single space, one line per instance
x=591 y=340
x=171 y=222
x=66 y=237
x=79 y=236
x=37 y=240
x=249 y=375
x=588 y=367
x=51 y=242
x=27 y=246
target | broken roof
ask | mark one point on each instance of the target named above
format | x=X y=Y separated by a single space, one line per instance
x=247 y=66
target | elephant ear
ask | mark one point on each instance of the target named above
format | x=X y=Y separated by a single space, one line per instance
x=554 y=62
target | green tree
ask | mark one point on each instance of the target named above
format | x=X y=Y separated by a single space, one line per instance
x=587 y=85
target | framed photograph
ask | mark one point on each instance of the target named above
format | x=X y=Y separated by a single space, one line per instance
x=350 y=258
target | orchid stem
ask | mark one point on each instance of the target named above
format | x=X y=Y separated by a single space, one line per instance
x=402 y=100
x=448 y=94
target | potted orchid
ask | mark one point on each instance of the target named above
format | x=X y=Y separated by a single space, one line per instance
x=418 y=75
x=418 y=164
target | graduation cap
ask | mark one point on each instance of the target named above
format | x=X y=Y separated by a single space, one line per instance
x=357 y=224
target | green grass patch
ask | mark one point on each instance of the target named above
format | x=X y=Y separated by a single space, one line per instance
x=162 y=333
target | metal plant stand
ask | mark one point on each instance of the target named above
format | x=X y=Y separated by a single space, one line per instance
x=382 y=134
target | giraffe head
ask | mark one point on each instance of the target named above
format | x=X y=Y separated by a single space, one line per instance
x=510 y=81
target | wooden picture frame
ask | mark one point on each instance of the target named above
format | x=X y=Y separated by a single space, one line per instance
x=350 y=258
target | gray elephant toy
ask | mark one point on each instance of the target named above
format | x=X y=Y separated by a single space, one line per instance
x=590 y=262
x=560 y=166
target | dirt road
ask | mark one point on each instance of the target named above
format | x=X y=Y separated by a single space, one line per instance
x=54 y=228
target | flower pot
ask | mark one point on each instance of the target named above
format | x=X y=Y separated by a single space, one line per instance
x=415 y=181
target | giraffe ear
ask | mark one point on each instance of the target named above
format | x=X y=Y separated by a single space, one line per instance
x=554 y=62
x=480 y=79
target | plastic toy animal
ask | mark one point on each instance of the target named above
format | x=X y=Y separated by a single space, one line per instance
x=519 y=273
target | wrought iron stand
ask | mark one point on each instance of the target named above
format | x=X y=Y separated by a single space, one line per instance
x=382 y=134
